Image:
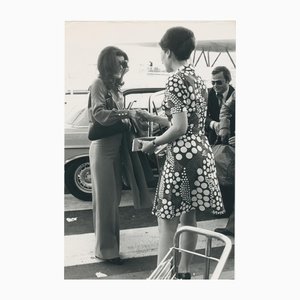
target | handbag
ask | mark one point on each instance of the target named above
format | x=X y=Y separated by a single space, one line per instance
x=98 y=131
x=225 y=163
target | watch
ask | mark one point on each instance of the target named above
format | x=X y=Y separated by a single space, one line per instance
x=154 y=143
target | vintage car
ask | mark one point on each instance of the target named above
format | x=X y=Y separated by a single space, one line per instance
x=77 y=167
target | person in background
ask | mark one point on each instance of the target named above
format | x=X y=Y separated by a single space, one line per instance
x=217 y=95
x=227 y=114
x=188 y=181
x=107 y=155
x=227 y=118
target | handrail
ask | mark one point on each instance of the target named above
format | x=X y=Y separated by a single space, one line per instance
x=209 y=234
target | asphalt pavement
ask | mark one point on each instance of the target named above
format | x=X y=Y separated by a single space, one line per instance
x=138 y=243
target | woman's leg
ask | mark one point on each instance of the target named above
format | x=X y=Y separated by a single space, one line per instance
x=167 y=229
x=106 y=182
x=188 y=241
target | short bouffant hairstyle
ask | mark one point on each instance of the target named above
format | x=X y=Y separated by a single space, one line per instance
x=180 y=40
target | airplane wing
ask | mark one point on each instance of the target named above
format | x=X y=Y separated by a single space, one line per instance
x=216 y=45
x=202 y=45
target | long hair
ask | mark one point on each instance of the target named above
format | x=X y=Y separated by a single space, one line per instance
x=108 y=65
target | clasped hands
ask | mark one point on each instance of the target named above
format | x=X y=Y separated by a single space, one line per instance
x=140 y=114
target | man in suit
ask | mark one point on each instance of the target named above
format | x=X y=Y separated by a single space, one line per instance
x=217 y=95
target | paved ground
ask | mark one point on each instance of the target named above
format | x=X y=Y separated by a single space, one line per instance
x=139 y=240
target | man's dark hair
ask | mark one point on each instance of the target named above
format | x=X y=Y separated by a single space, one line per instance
x=225 y=71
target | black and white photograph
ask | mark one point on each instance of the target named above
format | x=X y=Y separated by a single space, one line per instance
x=149 y=150
x=128 y=170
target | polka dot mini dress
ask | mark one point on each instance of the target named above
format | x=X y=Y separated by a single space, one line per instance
x=188 y=179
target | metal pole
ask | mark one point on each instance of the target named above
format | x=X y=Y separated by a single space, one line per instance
x=207 y=260
x=230 y=58
x=198 y=58
x=176 y=252
x=194 y=56
x=216 y=59
x=207 y=64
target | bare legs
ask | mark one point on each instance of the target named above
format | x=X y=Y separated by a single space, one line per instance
x=188 y=241
x=167 y=229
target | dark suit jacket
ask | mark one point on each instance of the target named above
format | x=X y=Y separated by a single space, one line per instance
x=213 y=113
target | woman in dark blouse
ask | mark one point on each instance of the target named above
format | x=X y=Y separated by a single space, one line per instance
x=108 y=154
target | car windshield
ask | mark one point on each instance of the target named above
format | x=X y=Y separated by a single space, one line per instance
x=79 y=118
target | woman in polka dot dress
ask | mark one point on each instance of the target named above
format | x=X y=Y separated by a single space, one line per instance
x=188 y=180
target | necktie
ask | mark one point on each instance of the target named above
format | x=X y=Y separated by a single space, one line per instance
x=220 y=97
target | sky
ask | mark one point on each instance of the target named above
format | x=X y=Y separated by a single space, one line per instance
x=84 y=41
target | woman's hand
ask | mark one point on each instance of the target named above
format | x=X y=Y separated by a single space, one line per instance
x=144 y=115
x=147 y=146
x=132 y=114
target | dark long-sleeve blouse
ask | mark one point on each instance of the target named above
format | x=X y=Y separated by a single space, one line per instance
x=98 y=105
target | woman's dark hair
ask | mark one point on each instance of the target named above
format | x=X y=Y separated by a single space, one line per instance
x=180 y=40
x=108 y=65
x=225 y=71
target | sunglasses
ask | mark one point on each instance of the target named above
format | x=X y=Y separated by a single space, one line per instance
x=124 y=64
x=217 y=82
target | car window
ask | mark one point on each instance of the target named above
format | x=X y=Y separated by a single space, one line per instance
x=156 y=101
x=71 y=116
x=139 y=100
x=74 y=104
x=82 y=118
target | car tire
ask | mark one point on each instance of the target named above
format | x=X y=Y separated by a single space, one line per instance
x=78 y=179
